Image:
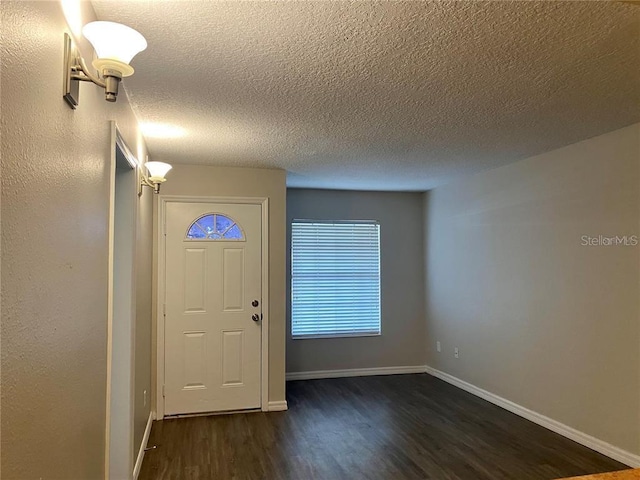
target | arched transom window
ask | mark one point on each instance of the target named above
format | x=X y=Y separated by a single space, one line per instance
x=215 y=226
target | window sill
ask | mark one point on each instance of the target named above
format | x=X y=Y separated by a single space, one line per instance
x=335 y=335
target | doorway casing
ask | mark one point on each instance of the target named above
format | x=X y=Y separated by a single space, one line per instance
x=163 y=200
x=123 y=218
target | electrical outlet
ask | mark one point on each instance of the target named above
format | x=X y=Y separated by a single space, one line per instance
x=456 y=352
x=438 y=346
x=144 y=397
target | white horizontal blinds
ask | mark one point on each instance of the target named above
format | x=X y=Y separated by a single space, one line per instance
x=335 y=284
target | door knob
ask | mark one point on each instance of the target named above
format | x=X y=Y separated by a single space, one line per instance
x=255 y=317
x=255 y=303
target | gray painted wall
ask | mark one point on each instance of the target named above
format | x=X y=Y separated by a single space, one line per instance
x=540 y=319
x=55 y=240
x=402 y=281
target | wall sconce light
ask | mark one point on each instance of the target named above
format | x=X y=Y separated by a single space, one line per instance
x=157 y=171
x=115 y=45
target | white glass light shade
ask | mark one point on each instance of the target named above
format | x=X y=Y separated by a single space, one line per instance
x=157 y=171
x=115 y=45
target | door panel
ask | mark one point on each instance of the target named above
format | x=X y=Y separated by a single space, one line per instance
x=212 y=345
x=194 y=360
x=232 y=357
x=195 y=279
x=233 y=279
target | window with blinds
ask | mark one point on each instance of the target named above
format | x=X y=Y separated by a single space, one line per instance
x=335 y=279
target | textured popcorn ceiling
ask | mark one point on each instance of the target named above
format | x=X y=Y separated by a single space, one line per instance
x=380 y=95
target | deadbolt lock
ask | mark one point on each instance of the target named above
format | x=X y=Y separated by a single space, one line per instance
x=255 y=303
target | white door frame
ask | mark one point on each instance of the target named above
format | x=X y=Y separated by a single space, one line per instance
x=117 y=141
x=163 y=200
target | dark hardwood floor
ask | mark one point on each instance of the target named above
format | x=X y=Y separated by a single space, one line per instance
x=388 y=427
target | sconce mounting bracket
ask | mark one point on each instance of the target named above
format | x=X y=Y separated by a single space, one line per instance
x=71 y=85
x=76 y=71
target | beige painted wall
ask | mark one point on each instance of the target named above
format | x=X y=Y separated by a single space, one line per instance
x=143 y=288
x=55 y=212
x=540 y=319
x=402 y=281
x=207 y=181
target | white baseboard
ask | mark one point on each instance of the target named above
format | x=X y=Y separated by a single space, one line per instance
x=143 y=445
x=593 y=443
x=355 y=372
x=278 y=406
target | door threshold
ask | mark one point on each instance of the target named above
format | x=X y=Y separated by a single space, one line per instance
x=208 y=414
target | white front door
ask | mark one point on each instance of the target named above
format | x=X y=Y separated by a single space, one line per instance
x=213 y=307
